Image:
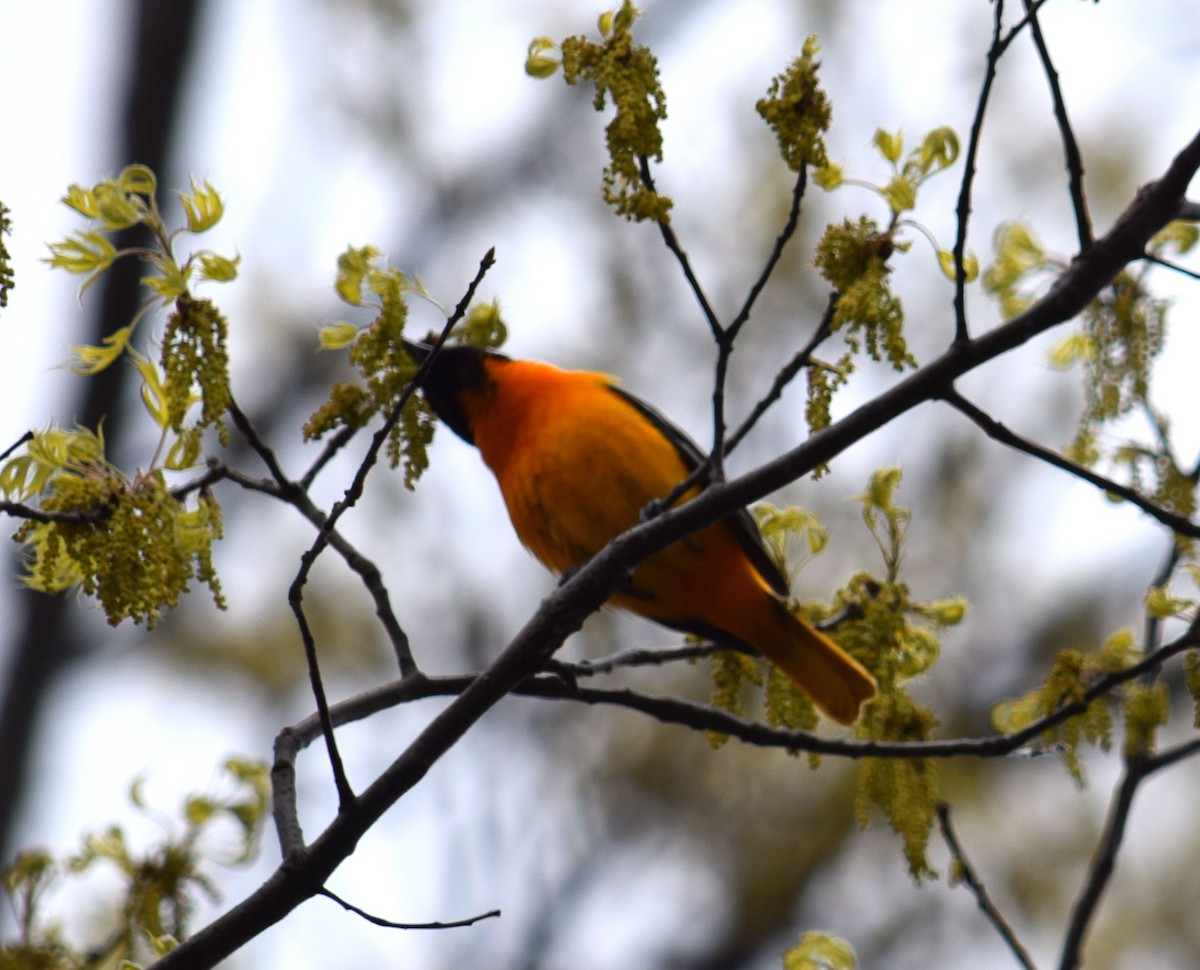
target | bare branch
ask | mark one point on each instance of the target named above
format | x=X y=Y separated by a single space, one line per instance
x=966 y=872
x=787 y=373
x=25 y=438
x=994 y=429
x=1083 y=220
x=1103 y=863
x=685 y=264
x=963 y=209
x=379 y=921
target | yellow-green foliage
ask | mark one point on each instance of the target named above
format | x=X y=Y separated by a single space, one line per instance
x=731 y=672
x=130 y=544
x=377 y=352
x=1067 y=683
x=906 y=789
x=6 y=270
x=1146 y=708
x=881 y=625
x=194 y=357
x=627 y=74
x=820 y=951
x=798 y=111
x=880 y=631
x=853 y=257
x=482 y=327
x=1191 y=677
x=1020 y=262
x=1122 y=334
x=159 y=884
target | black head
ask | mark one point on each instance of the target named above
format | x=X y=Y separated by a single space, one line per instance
x=457 y=371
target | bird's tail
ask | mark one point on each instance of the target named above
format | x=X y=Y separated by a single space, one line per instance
x=836 y=682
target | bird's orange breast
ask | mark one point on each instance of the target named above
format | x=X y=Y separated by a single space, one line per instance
x=577 y=464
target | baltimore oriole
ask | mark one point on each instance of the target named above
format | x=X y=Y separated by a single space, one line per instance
x=578 y=460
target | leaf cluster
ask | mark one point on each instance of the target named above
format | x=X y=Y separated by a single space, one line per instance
x=820 y=951
x=194 y=357
x=626 y=74
x=877 y=621
x=1121 y=335
x=377 y=352
x=1144 y=705
x=797 y=110
x=131 y=544
x=159 y=884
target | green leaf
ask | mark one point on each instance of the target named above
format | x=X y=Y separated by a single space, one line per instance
x=335 y=336
x=173 y=283
x=939 y=150
x=828 y=176
x=219 y=269
x=353 y=267
x=82 y=201
x=820 y=951
x=901 y=194
x=537 y=64
x=203 y=208
x=85 y=252
x=92 y=360
x=890 y=146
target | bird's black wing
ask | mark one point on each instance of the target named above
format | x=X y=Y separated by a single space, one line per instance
x=741 y=523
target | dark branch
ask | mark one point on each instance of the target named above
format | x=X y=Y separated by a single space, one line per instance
x=1103 y=862
x=966 y=872
x=1083 y=221
x=685 y=264
x=994 y=429
x=379 y=921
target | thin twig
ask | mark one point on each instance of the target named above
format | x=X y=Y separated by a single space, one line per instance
x=336 y=442
x=963 y=209
x=625 y=659
x=379 y=921
x=705 y=717
x=781 y=241
x=349 y=499
x=26 y=437
x=994 y=429
x=672 y=242
x=1168 y=264
x=92 y=516
x=1103 y=863
x=1074 y=160
x=969 y=878
x=787 y=374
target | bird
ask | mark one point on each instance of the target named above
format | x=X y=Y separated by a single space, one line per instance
x=578 y=460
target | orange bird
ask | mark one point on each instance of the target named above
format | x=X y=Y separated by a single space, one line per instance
x=578 y=459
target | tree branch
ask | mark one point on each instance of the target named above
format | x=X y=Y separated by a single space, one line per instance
x=379 y=921
x=1074 y=161
x=994 y=429
x=305 y=872
x=966 y=873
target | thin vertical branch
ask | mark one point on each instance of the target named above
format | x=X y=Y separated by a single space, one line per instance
x=352 y=495
x=781 y=241
x=672 y=242
x=971 y=880
x=963 y=209
x=787 y=373
x=1103 y=864
x=1083 y=220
